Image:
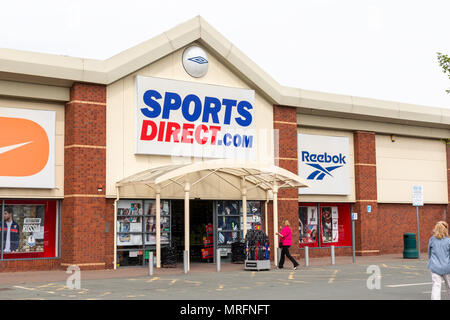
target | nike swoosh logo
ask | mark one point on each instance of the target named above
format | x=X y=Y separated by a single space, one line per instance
x=14 y=146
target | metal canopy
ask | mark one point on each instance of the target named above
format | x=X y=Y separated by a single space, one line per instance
x=269 y=178
x=265 y=177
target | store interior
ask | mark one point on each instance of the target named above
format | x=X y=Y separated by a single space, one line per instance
x=214 y=225
x=201 y=215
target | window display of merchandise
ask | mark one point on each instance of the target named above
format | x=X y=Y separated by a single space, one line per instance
x=136 y=229
x=30 y=229
x=208 y=243
x=308 y=225
x=254 y=215
x=324 y=225
x=230 y=223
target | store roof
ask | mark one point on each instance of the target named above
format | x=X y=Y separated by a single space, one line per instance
x=56 y=70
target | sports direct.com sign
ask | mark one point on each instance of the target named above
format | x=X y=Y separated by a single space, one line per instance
x=179 y=118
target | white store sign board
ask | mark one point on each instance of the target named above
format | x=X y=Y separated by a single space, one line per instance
x=190 y=119
x=324 y=162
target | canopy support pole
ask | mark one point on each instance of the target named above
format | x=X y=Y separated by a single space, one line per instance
x=187 y=189
x=275 y=224
x=266 y=223
x=244 y=205
x=115 y=227
x=158 y=226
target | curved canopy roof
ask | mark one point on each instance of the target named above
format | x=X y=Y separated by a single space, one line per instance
x=265 y=177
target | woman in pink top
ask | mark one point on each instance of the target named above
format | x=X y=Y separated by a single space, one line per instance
x=286 y=242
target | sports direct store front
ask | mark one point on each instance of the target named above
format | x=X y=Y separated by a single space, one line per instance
x=184 y=142
x=198 y=149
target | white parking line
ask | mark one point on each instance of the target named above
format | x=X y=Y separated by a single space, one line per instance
x=408 y=285
x=25 y=288
x=331 y=280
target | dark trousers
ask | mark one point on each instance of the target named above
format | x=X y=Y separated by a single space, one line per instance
x=285 y=252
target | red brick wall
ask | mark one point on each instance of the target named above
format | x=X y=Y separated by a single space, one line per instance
x=285 y=125
x=30 y=265
x=83 y=228
x=366 y=227
x=397 y=219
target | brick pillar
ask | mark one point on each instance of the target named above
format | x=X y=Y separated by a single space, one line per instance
x=83 y=225
x=366 y=227
x=285 y=125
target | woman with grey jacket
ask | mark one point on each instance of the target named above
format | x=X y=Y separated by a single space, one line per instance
x=439 y=259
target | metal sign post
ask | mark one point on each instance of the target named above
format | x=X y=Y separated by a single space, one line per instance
x=418 y=232
x=354 y=218
x=417 y=201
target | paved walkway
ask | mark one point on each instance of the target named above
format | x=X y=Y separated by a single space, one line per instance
x=14 y=278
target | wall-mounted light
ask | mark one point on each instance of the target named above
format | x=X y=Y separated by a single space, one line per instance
x=100 y=188
x=392 y=138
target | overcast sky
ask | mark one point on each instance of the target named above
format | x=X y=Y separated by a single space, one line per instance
x=377 y=49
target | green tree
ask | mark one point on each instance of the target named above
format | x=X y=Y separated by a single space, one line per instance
x=444 y=62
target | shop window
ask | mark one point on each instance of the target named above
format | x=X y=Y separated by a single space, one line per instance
x=254 y=215
x=308 y=221
x=335 y=225
x=329 y=220
x=30 y=229
x=136 y=230
x=150 y=222
x=230 y=222
x=324 y=225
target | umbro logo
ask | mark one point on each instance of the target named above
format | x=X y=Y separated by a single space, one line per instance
x=199 y=60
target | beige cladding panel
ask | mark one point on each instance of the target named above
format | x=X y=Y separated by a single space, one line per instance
x=34 y=91
x=121 y=161
x=332 y=198
x=58 y=191
x=385 y=127
x=407 y=162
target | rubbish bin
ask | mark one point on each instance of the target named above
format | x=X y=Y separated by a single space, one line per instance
x=410 y=246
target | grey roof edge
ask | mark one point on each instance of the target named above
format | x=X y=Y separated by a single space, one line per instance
x=65 y=70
